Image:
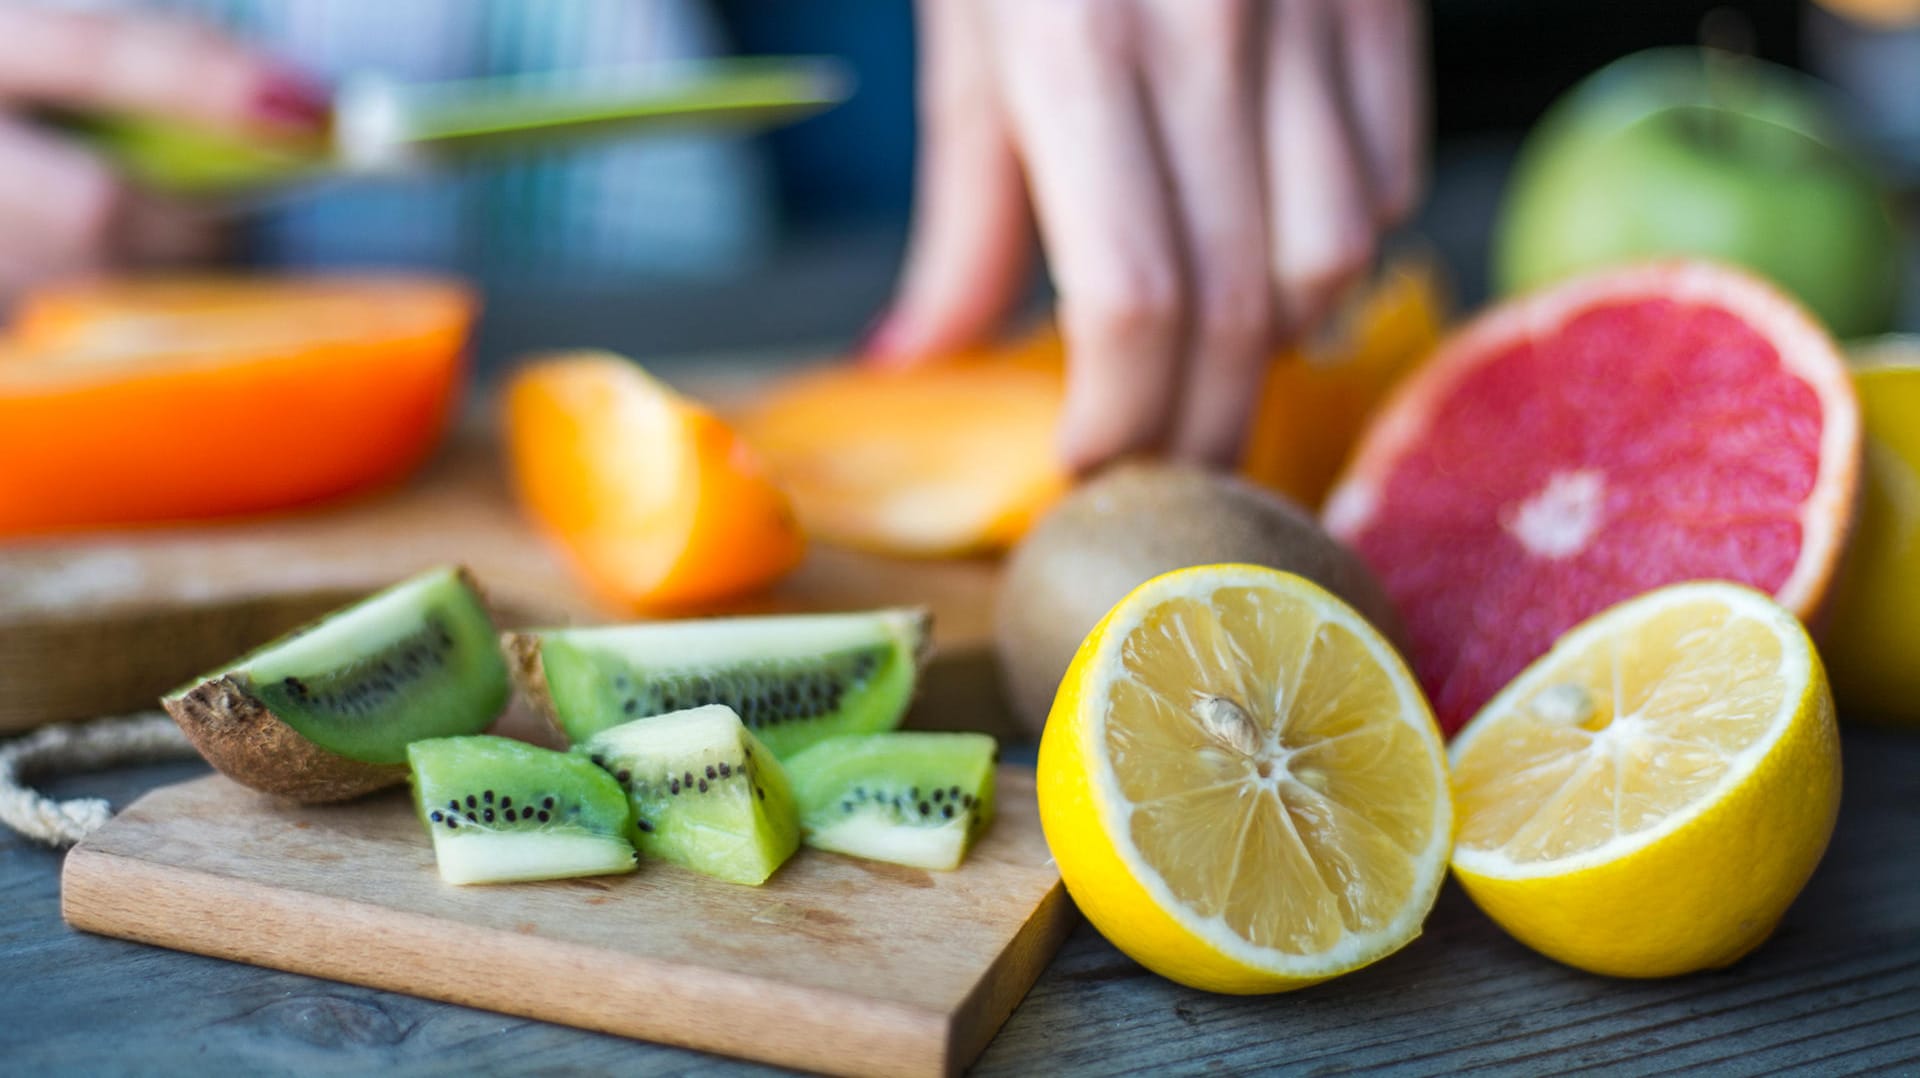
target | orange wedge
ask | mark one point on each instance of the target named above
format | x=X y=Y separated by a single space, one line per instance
x=655 y=501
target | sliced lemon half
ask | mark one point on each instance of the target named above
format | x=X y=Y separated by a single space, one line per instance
x=1648 y=797
x=1242 y=785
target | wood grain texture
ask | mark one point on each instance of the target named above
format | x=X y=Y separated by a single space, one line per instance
x=1836 y=992
x=105 y=624
x=834 y=965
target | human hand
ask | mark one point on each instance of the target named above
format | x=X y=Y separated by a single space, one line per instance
x=61 y=209
x=1209 y=177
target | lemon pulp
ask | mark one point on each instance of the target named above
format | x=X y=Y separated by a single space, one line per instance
x=1648 y=798
x=1262 y=771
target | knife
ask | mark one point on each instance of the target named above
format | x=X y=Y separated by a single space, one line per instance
x=381 y=126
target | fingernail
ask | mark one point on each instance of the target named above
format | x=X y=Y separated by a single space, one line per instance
x=286 y=99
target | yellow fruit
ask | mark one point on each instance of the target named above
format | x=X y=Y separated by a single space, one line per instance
x=1242 y=785
x=1648 y=798
x=1876 y=613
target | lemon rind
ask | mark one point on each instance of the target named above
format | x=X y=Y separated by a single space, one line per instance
x=1796 y=667
x=1355 y=949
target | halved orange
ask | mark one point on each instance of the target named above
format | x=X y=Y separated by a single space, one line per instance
x=135 y=400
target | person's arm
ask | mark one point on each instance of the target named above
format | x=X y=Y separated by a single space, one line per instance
x=61 y=209
x=1209 y=176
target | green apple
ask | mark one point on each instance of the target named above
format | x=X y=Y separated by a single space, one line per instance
x=1696 y=152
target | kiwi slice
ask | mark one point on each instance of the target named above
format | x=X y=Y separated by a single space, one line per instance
x=706 y=793
x=793 y=679
x=915 y=799
x=501 y=811
x=327 y=711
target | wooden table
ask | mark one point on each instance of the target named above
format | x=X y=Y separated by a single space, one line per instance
x=1836 y=991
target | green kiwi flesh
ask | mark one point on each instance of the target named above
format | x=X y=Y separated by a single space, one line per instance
x=917 y=799
x=328 y=711
x=792 y=679
x=503 y=811
x=706 y=793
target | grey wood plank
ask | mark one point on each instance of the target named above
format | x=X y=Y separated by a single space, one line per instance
x=1837 y=991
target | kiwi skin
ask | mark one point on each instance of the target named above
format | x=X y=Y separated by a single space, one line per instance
x=530 y=677
x=247 y=743
x=244 y=740
x=1132 y=523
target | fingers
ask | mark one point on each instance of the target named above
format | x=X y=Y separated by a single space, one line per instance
x=1383 y=54
x=1320 y=208
x=1202 y=79
x=147 y=64
x=969 y=255
x=58 y=204
x=1068 y=70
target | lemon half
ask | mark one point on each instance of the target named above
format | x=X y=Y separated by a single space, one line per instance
x=1242 y=785
x=1648 y=797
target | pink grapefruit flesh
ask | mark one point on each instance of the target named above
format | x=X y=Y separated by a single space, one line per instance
x=1578 y=446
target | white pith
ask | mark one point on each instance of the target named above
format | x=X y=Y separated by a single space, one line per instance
x=867 y=835
x=475 y=854
x=1804 y=350
x=1113 y=807
x=1559 y=518
x=1796 y=664
x=720 y=641
x=676 y=735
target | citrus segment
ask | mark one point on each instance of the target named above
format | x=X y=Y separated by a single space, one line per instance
x=952 y=457
x=655 y=501
x=1571 y=449
x=1649 y=796
x=1318 y=396
x=1241 y=784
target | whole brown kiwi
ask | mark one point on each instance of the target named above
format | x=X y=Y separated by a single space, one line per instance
x=1128 y=526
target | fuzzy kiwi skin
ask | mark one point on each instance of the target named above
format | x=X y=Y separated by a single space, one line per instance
x=529 y=674
x=1129 y=525
x=246 y=742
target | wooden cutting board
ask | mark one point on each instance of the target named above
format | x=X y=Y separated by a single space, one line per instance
x=834 y=965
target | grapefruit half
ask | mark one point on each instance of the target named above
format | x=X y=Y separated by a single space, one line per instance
x=1580 y=445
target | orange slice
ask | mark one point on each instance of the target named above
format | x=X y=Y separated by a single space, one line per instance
x=130 y=401
x=655 y=501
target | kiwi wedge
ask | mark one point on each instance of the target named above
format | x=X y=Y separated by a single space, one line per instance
x=792 y=679
x=502 y=811
x=917 y=799
x=327 y=712
x=707 y=795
